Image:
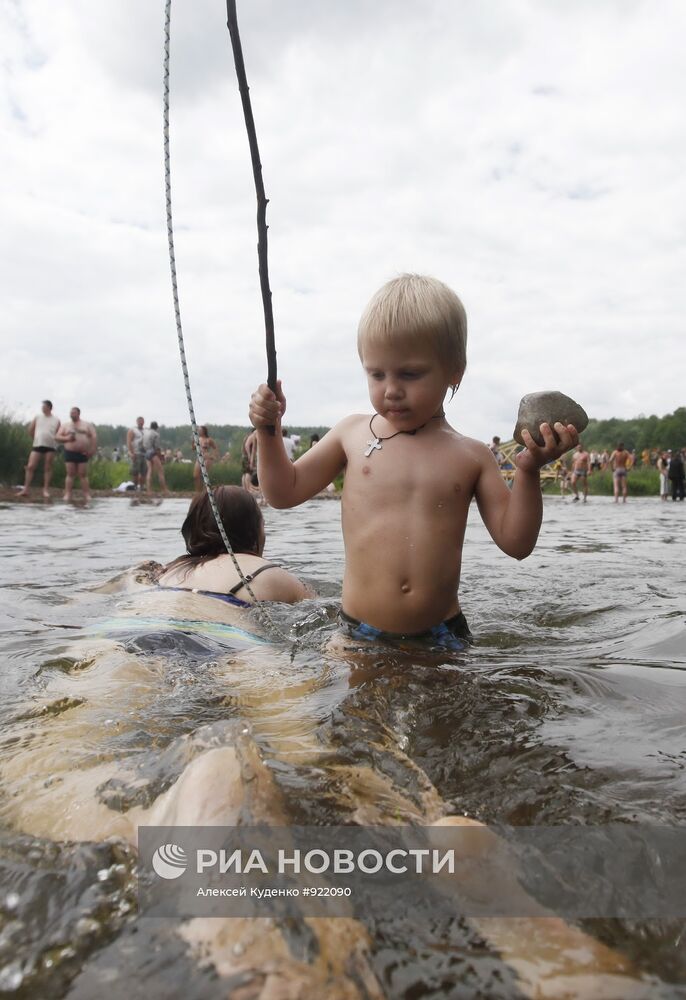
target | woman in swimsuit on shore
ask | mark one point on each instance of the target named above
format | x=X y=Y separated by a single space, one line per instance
x=208 y=570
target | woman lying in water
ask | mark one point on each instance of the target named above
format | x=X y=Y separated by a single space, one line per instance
x=207 y=569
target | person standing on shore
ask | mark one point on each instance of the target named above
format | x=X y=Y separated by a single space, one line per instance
x=249 y=462
x=153 y=456
x=42 y=429
x=677 y=475
x=210 y=453
x=495 y=449
x=620 y=461
x=80 y=442
x=288 y=443
x=136 y=448
x=663 y=469
x=581 y=469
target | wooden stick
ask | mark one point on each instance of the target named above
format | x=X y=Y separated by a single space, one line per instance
x=262 y=200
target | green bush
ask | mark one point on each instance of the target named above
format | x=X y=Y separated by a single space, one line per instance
x=106 y=475
x=15 y=445
x=179 y=475
x=226 y=474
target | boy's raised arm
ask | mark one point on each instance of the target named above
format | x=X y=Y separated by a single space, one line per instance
x=284 y=483
x=513 y=517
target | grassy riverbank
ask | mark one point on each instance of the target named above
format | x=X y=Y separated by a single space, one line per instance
x=15 y=445
x=642 y=483
x=106 y=475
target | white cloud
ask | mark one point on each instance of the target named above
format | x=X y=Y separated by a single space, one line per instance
x=528 y=153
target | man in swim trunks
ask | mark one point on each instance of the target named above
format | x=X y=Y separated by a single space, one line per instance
x=80 y=442
x=620 y=461
x=581 y=469
x=249 y=460
x=42 y=429
x=409 y=476
x=135 y=444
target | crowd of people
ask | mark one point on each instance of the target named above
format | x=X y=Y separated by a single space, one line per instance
x=143 y=448
x=670 y=465
x=147 y=459
x=79 y=439
x=573 y=471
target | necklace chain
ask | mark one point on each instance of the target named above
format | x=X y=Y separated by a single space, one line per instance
x=376 y=442
x=389 y=436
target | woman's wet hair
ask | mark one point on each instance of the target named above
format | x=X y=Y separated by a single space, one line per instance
x=241 y=517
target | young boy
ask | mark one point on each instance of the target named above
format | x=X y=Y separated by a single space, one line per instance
x=409 y=477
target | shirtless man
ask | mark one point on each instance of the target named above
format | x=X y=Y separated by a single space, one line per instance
x=581 y=469
x=210 y=453
x=136 y=449
x=42 y=429
x=620 y=461
x=249 y=462
x=80 y=442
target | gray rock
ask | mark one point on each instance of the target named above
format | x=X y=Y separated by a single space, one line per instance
x=547 y=407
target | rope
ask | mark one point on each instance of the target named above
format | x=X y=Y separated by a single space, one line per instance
x=182 y=350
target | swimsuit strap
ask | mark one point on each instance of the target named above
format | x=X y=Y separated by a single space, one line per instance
x=251 y=576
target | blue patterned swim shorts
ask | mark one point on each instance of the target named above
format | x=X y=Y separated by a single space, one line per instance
x=451 y=634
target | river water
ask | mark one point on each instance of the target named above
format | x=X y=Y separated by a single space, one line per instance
x=570 y=709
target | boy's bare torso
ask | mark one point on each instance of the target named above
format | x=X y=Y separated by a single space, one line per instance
x=404 y=511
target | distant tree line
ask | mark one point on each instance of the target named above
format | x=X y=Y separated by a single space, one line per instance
x=639 y=432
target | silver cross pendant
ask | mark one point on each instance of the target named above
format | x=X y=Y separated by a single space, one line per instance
x=374 y=445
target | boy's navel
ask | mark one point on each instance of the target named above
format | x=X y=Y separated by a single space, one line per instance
x=405 y=587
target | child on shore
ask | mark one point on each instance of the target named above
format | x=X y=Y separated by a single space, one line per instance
x=409 y=476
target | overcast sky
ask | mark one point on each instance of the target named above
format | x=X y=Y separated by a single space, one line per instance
x=530 y=153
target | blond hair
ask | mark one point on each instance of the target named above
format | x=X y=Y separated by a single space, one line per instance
x=414 y=309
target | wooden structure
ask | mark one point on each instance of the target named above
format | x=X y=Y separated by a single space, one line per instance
x=509 y=449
